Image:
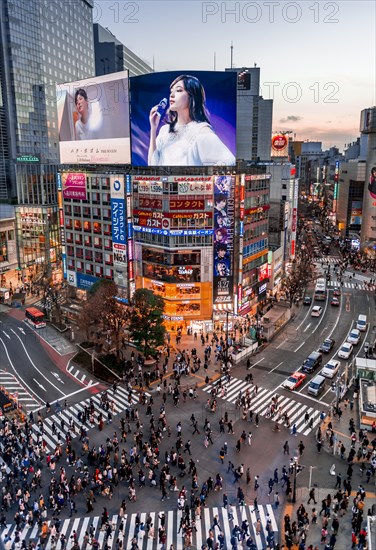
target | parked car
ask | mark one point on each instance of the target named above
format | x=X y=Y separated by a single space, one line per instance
x=345 y=350
x=327 y=345
x=331 y=368
x=307 y=301
x=316 y=311
x=354 y=336
x=294 y=381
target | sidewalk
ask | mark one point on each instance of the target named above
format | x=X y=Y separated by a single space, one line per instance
x=341 y=435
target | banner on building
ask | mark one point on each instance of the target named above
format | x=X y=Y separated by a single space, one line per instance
x=224 y=210
x=118 y=216
x=74 y=185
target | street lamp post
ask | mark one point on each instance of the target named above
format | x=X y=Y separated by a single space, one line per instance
x=294 y=486
x=310 y=476
x=226 y=344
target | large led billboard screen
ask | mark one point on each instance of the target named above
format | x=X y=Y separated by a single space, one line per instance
x=184 y=118
x=93 y=118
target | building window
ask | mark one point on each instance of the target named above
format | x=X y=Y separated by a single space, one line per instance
x=108 y=259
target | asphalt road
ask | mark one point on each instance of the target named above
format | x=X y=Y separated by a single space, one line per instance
x=286 y=353
x=24 y=355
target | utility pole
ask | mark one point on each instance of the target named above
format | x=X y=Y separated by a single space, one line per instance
x=232 y=54
x=310 y=476
x=226 y=348
x=294 y=486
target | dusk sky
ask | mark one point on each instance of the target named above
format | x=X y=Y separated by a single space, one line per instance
x=320 y=55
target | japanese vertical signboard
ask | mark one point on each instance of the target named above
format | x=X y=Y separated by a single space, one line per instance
x=224 y=207
x=294 y=218
x=61 y=223
x=119 y=232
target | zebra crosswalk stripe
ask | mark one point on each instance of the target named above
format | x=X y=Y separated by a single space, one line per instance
x=12 y=385
x=204 y=524
x=260 y=404
x=347 y=284
x=120 y=399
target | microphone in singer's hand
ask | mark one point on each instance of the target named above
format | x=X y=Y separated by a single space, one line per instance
x=162 y=107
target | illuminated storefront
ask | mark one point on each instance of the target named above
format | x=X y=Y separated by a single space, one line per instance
x=38 y=237
x=254 y=205
x=173 y=232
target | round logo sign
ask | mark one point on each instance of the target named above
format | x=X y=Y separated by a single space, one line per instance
x=117 y=185
x=279 y=142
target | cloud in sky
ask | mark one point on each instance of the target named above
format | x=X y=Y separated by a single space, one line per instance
x=290 y=118
x=329 y=137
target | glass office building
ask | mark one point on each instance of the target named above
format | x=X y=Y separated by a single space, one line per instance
x=43 y=43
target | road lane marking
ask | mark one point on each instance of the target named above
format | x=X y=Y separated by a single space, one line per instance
x=307 y=327
x=39 y=384
x=66 y=396
x=279 y=364
x=39 y=398
x=36 y=368
x=298 y=348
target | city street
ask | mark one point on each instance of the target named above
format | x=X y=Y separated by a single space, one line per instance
x=30 y=361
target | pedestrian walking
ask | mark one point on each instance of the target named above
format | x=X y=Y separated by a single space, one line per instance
x=301 y=447
x=222 y=455
x=324 y=534
x=248 y=476
x=312 y=496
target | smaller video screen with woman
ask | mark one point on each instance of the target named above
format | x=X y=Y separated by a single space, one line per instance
x=184 y=118
x=93 y=118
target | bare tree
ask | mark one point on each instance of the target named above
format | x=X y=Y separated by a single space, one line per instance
x=104 y=311
x=300 y=274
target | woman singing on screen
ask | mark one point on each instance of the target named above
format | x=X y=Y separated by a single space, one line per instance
x=188 y=138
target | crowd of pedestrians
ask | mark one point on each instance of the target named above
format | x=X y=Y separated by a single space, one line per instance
x=41 y=486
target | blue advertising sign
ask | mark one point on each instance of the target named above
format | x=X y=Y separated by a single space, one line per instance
x=64 y=260
x=118 y=216
x=85 y=281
